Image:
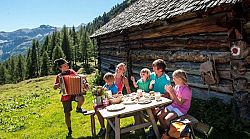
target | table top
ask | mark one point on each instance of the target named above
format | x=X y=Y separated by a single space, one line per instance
x=131 y=108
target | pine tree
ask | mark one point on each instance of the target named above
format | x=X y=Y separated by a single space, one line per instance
x=45 y=64
x=21 y=68
x=12 y=69
x=75 y=44
x=54 y=42
x=34 y=64
x=94 y=50
x=3 y=74
x=38 y=58
x=29 y=64
x=79 y=52
x=85 y=49
x=105 y=18
x=57 y=53
x=65 y=44
x=45 y=46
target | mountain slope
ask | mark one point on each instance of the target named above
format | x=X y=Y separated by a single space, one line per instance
x=19 y=41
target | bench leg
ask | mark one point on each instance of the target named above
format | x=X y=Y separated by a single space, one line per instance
x=192 y=132
x=92 y=118
x=107 y=135
x=117 y=128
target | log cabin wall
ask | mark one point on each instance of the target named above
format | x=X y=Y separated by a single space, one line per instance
x=241 y=64
x=185 y=42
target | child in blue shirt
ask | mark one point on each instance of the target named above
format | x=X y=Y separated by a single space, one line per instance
x=109 y=79
x=109 y=83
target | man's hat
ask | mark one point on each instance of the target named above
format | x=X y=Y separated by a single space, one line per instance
x=60 y=61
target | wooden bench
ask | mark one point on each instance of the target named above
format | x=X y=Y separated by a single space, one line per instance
x=195 y=124
x=203 y=128
x=192 y=122
x=92 y=119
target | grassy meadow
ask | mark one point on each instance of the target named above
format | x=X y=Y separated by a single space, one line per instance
x=32 y=109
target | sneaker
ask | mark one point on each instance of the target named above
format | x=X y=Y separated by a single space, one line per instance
x=80 y=110
x=101 y=132
x=69 y=134
x=151 y=133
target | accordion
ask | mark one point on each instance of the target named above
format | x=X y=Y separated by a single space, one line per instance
x=73 y=85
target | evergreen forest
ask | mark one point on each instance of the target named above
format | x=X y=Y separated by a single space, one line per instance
x=73 y=45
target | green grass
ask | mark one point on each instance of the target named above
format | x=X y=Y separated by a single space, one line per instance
x=32 y=109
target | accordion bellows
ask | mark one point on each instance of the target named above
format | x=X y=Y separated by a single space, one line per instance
x=73 y=85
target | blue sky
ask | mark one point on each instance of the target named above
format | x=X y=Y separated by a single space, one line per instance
x=16 y=14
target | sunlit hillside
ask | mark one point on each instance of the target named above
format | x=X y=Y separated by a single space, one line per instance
x=32 y=109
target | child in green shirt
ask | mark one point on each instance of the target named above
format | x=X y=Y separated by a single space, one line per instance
x=144 y=82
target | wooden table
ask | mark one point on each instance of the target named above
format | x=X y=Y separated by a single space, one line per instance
x=114 y=117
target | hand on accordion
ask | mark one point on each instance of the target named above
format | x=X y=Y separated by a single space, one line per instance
x=85 y=87
x=56 y=85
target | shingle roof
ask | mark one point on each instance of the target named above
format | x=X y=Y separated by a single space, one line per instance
x=147 y=11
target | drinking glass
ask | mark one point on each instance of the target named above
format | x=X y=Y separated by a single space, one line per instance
x=157 y=96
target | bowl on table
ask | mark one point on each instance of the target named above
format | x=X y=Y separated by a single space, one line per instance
x=115 y=100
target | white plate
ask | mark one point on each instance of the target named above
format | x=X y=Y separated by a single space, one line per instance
x=144 y=101
x=115 y=107
x=128 y=102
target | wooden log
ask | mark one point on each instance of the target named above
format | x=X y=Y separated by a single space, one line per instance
x=192 y=42
x=220 y=37
x=112 y=44
x=189 y=27
x=205 y=95
x=246 y=75
x=224 y=89
x=202 y=41
x=247 y=59
x=240 y=84
x=180 y=55
x=118 y=38
x=238 y=67
x=112 y=59
x=114 y=53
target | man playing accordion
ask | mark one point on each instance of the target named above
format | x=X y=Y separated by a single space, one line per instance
x=67 y=98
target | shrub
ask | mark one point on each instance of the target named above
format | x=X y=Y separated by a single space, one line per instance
x=221 y=116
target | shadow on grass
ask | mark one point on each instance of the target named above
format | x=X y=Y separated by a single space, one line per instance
x=88 y=137
x=131 y=135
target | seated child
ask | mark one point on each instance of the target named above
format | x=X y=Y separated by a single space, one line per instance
x=144 y=82
x=181 y=95
x=109 y=85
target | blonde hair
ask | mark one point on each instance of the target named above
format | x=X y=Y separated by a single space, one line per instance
x=121 y=65
x=109 y=77
x=145 y=70
x=180 y=74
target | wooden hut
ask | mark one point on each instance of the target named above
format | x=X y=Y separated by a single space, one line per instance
x=185 y=33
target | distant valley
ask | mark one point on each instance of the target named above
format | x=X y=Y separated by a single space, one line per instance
x=18 y=42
